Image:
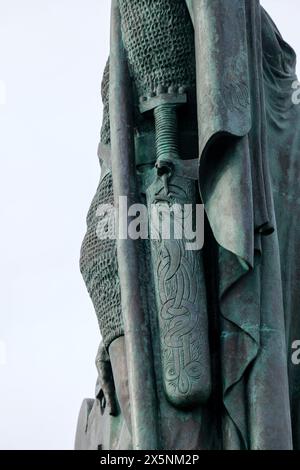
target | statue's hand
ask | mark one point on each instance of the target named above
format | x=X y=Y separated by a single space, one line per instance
x=105 y=389
x=117 y=356
x=112 y=389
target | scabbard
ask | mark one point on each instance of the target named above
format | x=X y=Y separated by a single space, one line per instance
x=180 y=294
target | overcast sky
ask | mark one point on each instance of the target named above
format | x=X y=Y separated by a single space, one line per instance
x=52 y=53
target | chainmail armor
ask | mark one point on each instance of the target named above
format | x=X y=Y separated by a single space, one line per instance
x=159 y=39
x=99 y=268
x=105 y=129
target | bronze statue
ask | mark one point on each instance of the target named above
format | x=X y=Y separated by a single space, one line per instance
x=196 y=351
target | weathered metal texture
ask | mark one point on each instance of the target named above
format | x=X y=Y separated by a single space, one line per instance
x=98 y=260
x=178 y=273
x=101 y=425
x=162 y=98
x=249 y=140
x=137 y=331
x=233 y=76
x=180 y=298
x=220 y=25
x=158 y=37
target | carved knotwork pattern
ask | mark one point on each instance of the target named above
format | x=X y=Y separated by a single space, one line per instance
x=179 y=315
x=181 y=302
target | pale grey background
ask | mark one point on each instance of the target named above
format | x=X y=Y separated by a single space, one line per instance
x=52 y=53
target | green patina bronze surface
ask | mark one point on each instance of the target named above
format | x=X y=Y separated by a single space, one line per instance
x=198 y=107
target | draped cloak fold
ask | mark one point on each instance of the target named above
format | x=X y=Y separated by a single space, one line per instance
x=249 y=182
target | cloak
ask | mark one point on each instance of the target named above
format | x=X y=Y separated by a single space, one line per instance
x=249 y=182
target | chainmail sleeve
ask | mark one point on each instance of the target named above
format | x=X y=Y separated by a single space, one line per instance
x=158 y=36
x=105 y=129
x=98 y=258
